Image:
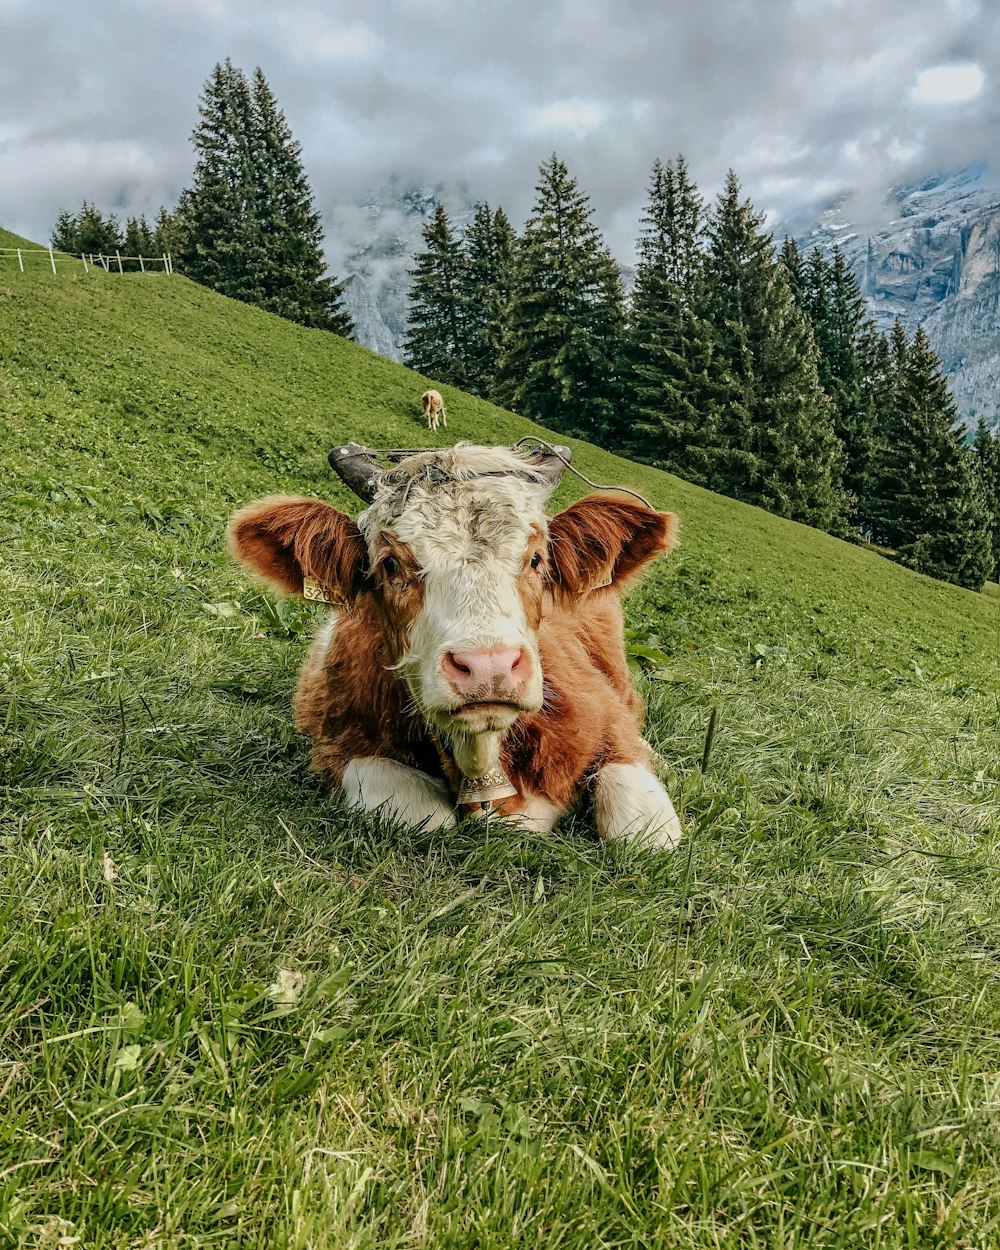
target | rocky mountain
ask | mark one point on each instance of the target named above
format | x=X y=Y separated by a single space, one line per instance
x=931 y=256
x=371 y=247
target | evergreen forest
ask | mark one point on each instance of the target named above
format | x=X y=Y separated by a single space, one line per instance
x=750 y=369
x=746 y=367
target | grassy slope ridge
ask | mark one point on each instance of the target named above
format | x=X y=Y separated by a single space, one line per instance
x=233 y=1015
x=8 y=239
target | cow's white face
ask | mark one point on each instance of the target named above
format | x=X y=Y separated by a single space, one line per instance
x=460 y=569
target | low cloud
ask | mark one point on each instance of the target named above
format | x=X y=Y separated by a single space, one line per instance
x=573 y=118
x=313 y=36
x=804 y=98
x=948 y=84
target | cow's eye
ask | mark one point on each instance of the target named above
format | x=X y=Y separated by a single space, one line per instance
x=391 y=566
x=536 y=560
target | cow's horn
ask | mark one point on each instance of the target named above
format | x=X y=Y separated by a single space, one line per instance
x=353 y=465
x=551 y=460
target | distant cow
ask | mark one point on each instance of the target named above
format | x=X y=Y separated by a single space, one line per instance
x=433 y=409
x=473 y=656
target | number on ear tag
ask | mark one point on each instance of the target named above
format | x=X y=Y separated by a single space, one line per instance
x=315 y=591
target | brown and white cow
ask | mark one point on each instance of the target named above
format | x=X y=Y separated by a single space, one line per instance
x=471 y=636
x=433 y=409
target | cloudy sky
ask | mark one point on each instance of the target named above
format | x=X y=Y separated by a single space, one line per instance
x=804 y=98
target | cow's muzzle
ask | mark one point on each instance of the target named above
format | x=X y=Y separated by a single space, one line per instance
x=487 y=674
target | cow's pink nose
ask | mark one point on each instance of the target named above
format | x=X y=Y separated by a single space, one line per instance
x=487 y=672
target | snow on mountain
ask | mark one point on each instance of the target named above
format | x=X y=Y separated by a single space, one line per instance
x=930 y=255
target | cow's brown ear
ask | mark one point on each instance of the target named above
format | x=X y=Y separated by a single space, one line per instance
x=604 y=540
x=286 y=539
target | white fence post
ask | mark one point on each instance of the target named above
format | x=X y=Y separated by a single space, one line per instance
x=90 y=260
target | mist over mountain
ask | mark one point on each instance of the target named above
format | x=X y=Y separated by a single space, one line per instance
x=929 y=253
x=371 y=245
x=934 y=263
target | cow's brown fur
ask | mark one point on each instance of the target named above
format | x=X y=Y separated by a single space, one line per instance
x=285 y=538
x=354 y=705
x=607 y=539
x=401 y=593
x=532 y=583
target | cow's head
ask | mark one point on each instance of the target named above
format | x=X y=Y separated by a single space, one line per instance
x=460 y=563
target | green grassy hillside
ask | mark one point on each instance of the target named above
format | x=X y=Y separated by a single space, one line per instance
x=233 y=1015
x=9 y=263
x=14 y=240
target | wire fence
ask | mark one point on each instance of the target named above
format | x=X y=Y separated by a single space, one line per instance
x=110 y=263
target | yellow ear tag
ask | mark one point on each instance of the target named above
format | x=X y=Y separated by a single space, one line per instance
x=608 y=579
x=315 y=591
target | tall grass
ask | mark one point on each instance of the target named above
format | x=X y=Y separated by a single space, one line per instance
x=234 y=1014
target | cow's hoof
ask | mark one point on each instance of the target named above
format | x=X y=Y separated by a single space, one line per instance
x=632 y=806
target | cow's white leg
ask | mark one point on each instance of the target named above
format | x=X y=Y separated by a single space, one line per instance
x=630 y=803
x=402 y=792
x=538 y=814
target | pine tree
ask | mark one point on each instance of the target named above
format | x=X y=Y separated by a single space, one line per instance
x=168 y=234
x=138 y=242
x=830 y=296
x=489 y=244
x=221 y=243
x=88 y=231
x=778 y=448
x=435 y=342
x=986 y=447
x=247 y=226
x=927 y=496
x=891 y=470
x=64 y=232
x=291 y=277
x=676 y=398
x=876 y=405
x=791 y=257
x=814 y=299
x=843 y=368
x=562 y=358
x=97 y=233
